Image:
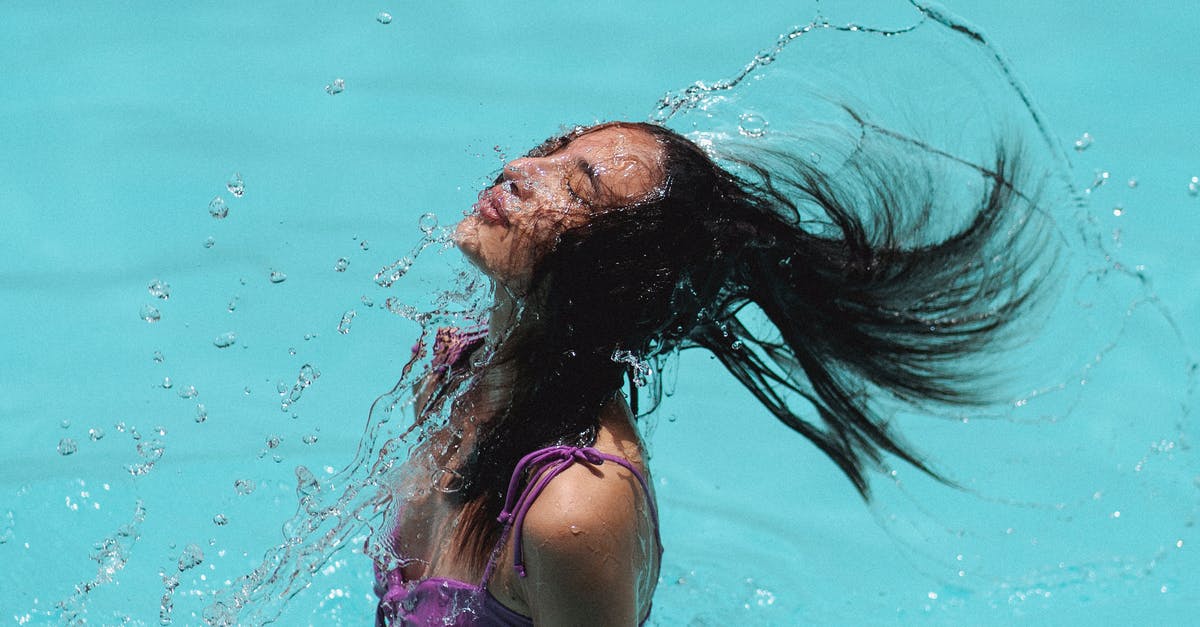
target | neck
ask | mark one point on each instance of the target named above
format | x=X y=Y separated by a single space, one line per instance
x=509 y=319
x=506 y=313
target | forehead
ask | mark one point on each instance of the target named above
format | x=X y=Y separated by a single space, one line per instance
x=616 y=142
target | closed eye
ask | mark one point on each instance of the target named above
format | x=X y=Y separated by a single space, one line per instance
x=582 y=178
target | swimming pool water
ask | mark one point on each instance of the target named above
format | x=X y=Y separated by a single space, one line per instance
x=122 y=122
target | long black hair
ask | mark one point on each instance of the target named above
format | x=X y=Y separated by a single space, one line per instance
x=862 y=296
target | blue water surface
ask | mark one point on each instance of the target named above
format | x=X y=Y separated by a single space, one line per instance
x=123 y=120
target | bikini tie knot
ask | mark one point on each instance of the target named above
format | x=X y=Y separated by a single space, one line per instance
x=589 y=455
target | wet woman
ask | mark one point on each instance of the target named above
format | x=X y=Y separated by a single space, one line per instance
x=616 y=243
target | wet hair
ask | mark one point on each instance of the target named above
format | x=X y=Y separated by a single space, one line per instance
x=860 y=298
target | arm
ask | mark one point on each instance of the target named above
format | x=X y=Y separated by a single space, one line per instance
x=588 y=547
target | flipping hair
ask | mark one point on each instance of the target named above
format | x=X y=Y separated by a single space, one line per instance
x=862 y=299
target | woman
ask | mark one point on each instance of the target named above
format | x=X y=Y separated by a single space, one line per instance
x=622 y=241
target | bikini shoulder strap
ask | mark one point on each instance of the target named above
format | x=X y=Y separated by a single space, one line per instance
x=554 y=460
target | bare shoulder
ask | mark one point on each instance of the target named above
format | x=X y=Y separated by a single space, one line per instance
x=590 y=548
x=604 y=498
x=590 y=544
x=584 y=500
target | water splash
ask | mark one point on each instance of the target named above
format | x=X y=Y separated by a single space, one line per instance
x=110 y=554
x=345 y=505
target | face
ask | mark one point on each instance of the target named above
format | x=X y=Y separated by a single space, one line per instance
x=537 y=198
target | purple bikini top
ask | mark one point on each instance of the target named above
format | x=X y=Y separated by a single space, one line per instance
x=443 y=601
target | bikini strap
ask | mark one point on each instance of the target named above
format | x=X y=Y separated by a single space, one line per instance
x=554 y=460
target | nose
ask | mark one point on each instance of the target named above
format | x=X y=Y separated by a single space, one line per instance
x=520 y=174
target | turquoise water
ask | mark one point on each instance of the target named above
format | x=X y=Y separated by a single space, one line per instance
x=123 y=122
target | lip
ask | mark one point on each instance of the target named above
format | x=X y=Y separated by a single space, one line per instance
x=491 y=206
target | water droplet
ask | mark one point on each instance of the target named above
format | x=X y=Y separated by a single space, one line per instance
x=191 y=557
x=7 y=522
x=344 y=326
x=389 y=274
x=225 y=340
x=246 y=391
x=309 y=438
x=575 y=530
x=752 y=125
x=96 y=434
x=201 y=412
x=67 y=446
x=341 y=264
x=158 y=357
x=427 y=223
x=209 y=242
x=159 y=289
x=306 y=483
x=1084 y=142
x=188 y=391
x=384 y=17
x=150 y=314
x=220 y=520
x=367 y=301
x=277 y=276
x=1118 y=211
x=274 y=441
x=65 y=424
x=1194 y=186
x=151 y=449
x=736 y=345
x=447 y=480
x=217 y=208
x=1133 y=183
x=232 y=306
x=244 y=486
x=336 y=87
x=364 y=245
x=292 y=351
x=166 y=383
x=236 y=185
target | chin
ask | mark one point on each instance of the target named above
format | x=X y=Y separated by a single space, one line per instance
x=466 y=237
